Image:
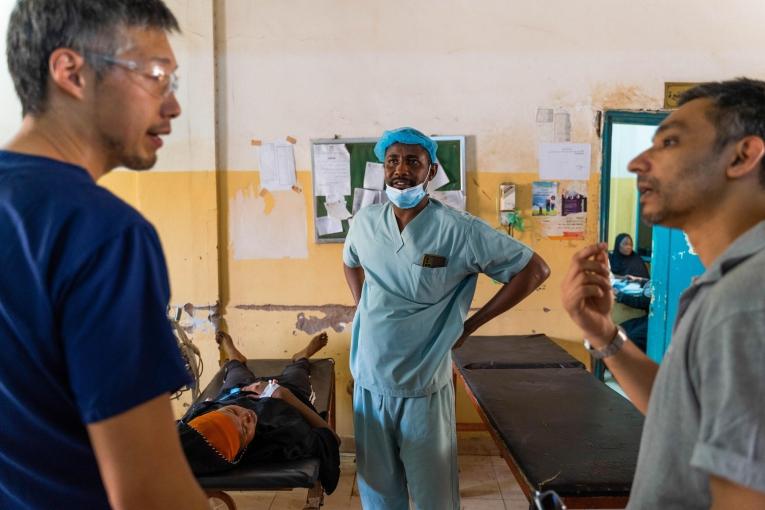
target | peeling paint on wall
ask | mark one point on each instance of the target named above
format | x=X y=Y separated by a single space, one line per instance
x=336 y=317
x=268 y=226
x=268 y=200
x=203 y=318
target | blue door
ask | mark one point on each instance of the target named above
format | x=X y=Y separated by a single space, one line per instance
x=673 y=267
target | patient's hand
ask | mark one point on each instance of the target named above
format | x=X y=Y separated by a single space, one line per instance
x=256 y=387
x=284 y=394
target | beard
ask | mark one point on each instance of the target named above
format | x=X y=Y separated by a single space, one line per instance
x=691 y=188
x=123 y=157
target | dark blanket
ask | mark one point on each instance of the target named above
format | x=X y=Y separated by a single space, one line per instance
x=281 y=434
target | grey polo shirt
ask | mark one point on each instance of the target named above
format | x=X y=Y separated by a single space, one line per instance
x=706 y=415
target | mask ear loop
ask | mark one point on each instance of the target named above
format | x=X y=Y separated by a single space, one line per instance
x=428 y=178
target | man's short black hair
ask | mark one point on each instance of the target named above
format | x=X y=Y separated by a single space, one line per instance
x=738 y=110
x=38 y=27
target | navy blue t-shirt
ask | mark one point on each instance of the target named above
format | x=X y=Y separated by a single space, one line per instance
x=83 y=330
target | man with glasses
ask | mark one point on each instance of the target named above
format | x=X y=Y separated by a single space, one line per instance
x=703 y=443
x=88 y=357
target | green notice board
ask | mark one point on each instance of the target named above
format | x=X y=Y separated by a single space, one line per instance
x=450 y=154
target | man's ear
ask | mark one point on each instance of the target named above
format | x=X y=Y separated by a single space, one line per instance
x=66 y=71
x=748 y=156
x=433 y=171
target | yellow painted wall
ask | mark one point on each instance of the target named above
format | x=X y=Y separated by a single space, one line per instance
x=318 y=280
x=623 y=216
x=185 y=208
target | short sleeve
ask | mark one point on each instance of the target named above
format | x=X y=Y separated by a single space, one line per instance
x=119 y=347
x=731 y=442
x=350 y=256
x=494 y=253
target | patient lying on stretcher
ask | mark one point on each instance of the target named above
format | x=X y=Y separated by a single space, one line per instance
x=255 y=419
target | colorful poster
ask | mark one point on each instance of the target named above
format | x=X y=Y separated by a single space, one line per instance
x=544 y=198
x=574 y=198
x=572 y=222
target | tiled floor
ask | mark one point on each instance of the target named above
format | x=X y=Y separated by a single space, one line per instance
x=485 y=484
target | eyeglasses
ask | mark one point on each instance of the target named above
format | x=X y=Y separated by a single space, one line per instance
x=163 y=82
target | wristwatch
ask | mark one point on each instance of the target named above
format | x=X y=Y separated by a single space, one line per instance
x=614 y=346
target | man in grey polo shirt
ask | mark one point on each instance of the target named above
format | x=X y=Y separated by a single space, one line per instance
x=703 y=443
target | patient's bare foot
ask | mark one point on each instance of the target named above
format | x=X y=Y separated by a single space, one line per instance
x=316 y=344
x=227 y=348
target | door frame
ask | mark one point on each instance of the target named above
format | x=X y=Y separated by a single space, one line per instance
x=611 y=117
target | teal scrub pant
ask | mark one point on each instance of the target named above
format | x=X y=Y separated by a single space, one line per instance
x=406 y=448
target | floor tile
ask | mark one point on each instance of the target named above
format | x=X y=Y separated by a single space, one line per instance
x=482 y=504
x=508 y=486
x=478 y=479
x=486 y=483
x=252 y=500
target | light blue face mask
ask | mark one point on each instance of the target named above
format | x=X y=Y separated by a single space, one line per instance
x=406 y=198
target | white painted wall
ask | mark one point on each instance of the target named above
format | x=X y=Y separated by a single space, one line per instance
x=191 y=146
x=10 y=108
x=314 y=69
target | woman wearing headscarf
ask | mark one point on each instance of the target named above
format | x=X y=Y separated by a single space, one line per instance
x=625 y=261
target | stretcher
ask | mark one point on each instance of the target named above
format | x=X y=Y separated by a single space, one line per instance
x=287 y=475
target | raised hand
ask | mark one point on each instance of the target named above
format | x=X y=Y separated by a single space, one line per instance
x=587 y=295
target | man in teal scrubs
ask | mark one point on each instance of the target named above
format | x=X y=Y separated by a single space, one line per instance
x=412 y=266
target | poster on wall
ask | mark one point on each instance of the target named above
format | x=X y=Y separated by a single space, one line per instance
x=572 y=222
x=544 y=198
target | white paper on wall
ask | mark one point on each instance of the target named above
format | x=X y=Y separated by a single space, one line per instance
x=336 y=208
x=332 y=169
x=364 y=197
x=559 y=161
x=277 y=166
x=326 y=225
x=374 y=175
x=454 y=199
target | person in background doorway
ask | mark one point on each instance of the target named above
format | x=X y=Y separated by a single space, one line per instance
x=625 y=261
x=632 y=287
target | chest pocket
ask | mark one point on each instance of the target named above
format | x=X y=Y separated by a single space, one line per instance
x=428 y=283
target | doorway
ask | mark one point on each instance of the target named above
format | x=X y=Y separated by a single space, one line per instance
x=671 y=261
x=625 y=135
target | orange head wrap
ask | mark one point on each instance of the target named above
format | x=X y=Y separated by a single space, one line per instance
x=220 y=431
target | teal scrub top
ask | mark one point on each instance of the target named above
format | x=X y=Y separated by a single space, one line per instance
x=409 y=316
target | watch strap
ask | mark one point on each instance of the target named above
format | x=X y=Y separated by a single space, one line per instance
x=614 y=346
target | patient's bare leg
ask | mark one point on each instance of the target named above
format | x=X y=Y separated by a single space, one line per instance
x=227 y=348
x=316 y=344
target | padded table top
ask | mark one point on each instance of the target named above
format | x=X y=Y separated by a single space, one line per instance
x=513 y=351
x=274 y=475
x=566 y=430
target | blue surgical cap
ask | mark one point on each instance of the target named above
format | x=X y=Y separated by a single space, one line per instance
x=408 y=136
